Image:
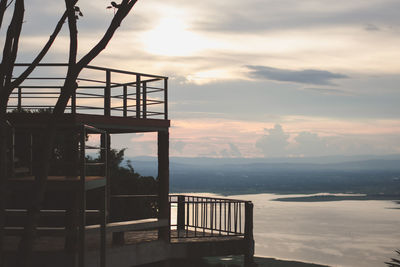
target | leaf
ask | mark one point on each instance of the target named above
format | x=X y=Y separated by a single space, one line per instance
x=80 y=14
x=109 y=7
x=76 y=8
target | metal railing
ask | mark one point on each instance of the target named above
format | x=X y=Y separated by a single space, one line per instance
x=102 y=91
x=197 y=216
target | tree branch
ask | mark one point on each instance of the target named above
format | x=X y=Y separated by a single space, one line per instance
x=122 y=12
x=42 y=53
x=11 y=46
x=70 y=82
x=3 y=7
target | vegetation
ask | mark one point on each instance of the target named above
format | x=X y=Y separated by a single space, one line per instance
x=394 y=262
x=130 y=192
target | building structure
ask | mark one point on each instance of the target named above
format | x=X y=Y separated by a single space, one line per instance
x=107 y=102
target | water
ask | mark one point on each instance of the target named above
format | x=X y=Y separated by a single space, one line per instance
x=338 y=233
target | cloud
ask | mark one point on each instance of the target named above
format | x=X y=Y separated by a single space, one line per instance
x=310 y=144
x=274 y=143
x=308 y=76
x=178 y=146
x=371 y=27
x=327 y=91
x=231 y=152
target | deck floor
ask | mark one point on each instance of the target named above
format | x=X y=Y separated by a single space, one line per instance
x=48 y=244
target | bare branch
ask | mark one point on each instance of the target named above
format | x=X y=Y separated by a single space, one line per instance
x=122 y=12
x=42 y=53
x=3 y=7
x=11 y=45
x=70 y=82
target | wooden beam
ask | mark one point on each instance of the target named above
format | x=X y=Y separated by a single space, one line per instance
x=163 y=182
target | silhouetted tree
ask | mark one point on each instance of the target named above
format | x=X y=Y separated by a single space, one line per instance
x=7 y=84
x=394 y=262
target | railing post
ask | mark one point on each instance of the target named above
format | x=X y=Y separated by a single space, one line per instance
x=248 y=234
x=181 y=214
x=73 y=102
x=166 y=98
x=107 y=94
x=144 y=100
x=125 y=101
x=137 y=96
x=19 y=99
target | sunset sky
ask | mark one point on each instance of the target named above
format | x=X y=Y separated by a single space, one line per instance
x=252 y=78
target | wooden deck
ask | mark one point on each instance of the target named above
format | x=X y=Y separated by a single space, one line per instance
x=58 y=182
x=113 y=124
x=140 y=247
x=56 y=243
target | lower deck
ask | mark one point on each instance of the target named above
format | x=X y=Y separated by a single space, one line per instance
x=140 y=247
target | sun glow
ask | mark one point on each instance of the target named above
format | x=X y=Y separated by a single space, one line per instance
x=171 y=38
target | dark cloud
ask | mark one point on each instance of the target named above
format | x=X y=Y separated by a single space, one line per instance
x=258 y=16
x=310 y=76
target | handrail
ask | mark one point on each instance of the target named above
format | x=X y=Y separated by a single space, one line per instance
x=120 y=89
x=198 y=216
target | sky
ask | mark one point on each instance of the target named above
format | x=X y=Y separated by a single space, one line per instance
x=254 y=78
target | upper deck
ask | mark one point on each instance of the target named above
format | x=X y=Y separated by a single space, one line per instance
x=116 y=100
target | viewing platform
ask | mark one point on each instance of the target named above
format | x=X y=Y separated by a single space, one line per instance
x=115 y=100
x=199 y=227
x=86 y=217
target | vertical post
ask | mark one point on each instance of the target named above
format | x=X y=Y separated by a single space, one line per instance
x=107 y=94
x=73 y=102
x=30 y=134
x=125 y=100
x=105 y=152
x=180 y=220
x=19 y=99
x=104 y=205
x=166 y=98
x=82 y=199
x=248 y=234
x=12 y=152
x=163 y=183
x=137 y=96
x=144 y=100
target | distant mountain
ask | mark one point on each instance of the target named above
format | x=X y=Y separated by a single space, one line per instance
x=148 y=165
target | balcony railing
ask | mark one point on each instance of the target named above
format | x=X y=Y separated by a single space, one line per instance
x=101 y=91
x=197 y=216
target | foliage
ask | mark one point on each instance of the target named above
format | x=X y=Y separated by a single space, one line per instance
x=394 y=262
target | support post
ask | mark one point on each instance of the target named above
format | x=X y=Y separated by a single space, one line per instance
x=138 y=96
x=19 y=106
x=105 y=139
x=180 y=220
x=73 y=103
x=248 y=235
x=163 y=183
x=166 y=98
x=144 y=100
x=125 y=100
x=82 y=200
x=107 y=94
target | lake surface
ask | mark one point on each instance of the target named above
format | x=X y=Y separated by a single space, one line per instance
x=337 y=233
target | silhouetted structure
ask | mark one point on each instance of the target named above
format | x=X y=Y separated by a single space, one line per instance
x=74 y=232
